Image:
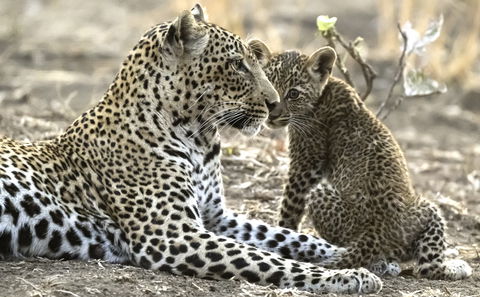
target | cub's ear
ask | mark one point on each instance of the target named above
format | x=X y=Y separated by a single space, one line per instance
x=185 y=37
x=199 y=14
x=320 y=64
x=260 y=50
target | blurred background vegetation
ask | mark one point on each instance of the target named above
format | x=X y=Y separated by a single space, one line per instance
x=60 y=55
x=46 y=34
x=42 y=29
x=67 y=51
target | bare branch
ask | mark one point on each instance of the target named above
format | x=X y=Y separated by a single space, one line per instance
x=368 y=73
x=392 y=108
x=398 y=76
x=331 y=36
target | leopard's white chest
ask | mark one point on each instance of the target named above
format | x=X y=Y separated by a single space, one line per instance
x=207 y=186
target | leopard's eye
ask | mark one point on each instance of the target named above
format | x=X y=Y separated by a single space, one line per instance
x=239 y=65
x=292 y=94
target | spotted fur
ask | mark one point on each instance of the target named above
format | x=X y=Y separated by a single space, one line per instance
x=350 y=174
x=137 y=178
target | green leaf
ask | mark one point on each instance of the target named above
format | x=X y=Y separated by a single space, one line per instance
x=325 y=23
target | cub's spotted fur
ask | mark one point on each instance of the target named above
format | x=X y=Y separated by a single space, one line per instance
x=137 y=177
x=349 y=172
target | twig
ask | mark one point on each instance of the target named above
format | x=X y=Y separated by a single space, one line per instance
x=330 y=36
x=398 y=75
x=29 y=283
x=198 y=288
x=397 y=103
x=447 y=291
x=368 y=73
x=237 y=159
x=67 y=292
x=392 y=108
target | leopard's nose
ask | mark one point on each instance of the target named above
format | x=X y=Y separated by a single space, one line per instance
x=269 y=93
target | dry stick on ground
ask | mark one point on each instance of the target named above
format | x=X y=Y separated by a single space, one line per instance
x=398 y=76
x=368 y=72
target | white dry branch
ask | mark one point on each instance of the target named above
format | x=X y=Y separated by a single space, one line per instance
x=416 y=82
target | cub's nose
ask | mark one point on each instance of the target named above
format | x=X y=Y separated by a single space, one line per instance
x=274 y=109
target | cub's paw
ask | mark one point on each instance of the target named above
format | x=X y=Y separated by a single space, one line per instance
x=384 y=268
x=393 y=268
x=454 y=269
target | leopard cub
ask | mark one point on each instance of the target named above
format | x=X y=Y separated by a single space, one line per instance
x=350 y=174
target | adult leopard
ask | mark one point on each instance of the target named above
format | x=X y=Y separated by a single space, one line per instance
x=349 y=172
x=137 y=177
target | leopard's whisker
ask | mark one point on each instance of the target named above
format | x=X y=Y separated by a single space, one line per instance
x=211 y=121
x=231 y=119
x=197 y=101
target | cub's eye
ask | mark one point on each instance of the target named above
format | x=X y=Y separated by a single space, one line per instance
x=239 y=65
x=292 y=94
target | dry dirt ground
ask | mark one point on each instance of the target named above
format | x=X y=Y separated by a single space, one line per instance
x=41 y=93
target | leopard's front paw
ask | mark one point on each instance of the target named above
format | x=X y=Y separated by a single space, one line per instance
x=355 y=281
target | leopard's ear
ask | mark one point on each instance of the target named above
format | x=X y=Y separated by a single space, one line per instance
x=185 y=37
x=320 y=64
x=199 y=13
x=260 y=50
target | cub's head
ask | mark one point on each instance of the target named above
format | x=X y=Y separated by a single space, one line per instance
x=202 y=75
x=299 y=80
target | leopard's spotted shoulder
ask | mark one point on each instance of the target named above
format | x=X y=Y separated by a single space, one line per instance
x=347 y=169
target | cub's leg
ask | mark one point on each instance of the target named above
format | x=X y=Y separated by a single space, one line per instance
x=292 y=207
x=366 y=250
x=335 y=219
x=385 y=267
x=363 y=250
x=429 y=250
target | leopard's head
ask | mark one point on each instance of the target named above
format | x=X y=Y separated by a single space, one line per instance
x=300 y=81
x=202 y=75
